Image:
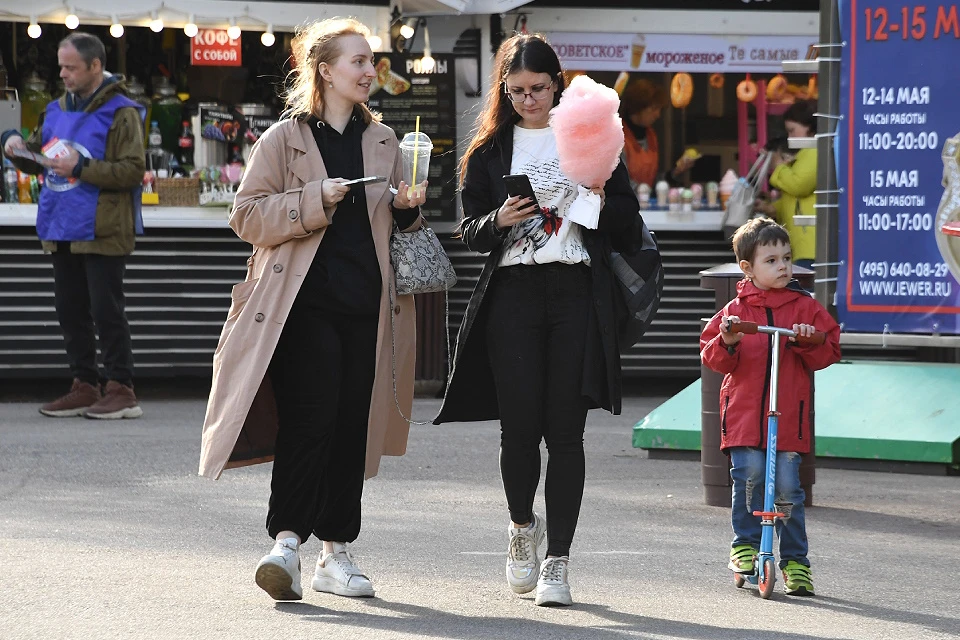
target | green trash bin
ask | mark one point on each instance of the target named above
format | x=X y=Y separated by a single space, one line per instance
x=715 y=465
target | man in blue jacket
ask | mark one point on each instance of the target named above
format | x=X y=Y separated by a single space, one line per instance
x=88 y=216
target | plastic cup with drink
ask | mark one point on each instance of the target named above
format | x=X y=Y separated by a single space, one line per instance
x=415 y=150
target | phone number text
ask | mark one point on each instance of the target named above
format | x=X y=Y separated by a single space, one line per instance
x=878 y=269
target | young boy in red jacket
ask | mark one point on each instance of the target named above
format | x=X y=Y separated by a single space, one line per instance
x=768 y=295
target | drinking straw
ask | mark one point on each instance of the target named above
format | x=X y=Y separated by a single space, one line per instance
x=416 y=155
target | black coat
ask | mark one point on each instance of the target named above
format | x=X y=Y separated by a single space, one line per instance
x=471 y=394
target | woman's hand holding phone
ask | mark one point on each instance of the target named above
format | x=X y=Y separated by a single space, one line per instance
x=515 y=209
x=332 y=191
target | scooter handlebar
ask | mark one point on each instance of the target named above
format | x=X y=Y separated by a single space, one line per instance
x=749 y=328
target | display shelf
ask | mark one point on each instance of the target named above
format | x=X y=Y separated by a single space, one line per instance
x=25 y=215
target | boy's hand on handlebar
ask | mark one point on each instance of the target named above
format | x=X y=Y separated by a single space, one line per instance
x=803 y=331
x=729 y=337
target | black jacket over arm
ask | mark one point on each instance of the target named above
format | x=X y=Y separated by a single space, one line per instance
x=471 y=394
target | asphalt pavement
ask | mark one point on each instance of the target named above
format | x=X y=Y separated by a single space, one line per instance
x=106 y=531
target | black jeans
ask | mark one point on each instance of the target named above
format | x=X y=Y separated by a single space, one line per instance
x=88 y=293
x=536 y=335
x=322 y=375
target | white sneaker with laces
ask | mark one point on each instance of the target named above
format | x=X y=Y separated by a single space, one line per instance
x=337 y=573
x=278 y=572
x=553 y=590
x=523 y=554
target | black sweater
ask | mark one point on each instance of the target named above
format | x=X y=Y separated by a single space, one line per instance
x=345 y=274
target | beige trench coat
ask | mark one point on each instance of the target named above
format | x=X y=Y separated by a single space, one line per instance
x=278 y=210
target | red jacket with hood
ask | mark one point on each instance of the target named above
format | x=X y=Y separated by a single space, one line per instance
x=745 y=393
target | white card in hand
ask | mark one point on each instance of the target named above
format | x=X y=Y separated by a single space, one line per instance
x=585 y=210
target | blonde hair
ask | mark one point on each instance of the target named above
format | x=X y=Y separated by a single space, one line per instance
x=315 y=43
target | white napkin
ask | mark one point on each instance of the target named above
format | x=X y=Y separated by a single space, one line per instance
x=585 y=210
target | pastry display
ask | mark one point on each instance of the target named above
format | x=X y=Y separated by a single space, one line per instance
x=681 y=90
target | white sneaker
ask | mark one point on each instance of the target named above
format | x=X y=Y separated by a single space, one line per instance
x=552 y=587
x=523 y=557
x=278 y=573
x=337 y=573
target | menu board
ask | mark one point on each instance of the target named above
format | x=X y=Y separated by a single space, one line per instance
x=898 y=95
x=402 y=91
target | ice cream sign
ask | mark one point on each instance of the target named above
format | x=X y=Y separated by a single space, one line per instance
x=672 y=53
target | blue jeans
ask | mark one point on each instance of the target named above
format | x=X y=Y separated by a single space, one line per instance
x=748 y=467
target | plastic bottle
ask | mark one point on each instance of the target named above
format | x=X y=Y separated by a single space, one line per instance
x=23 y=188
x=10 y=194
x=186 y=144
x=154 y=138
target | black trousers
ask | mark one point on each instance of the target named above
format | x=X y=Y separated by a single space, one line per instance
x=88 y=294
x=536 y=335
x=322 y=374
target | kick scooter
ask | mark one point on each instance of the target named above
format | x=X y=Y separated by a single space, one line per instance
x=764 y=565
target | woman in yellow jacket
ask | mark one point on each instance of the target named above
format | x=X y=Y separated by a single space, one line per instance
x=797 y=180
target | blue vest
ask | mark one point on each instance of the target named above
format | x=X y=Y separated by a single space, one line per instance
x=68 y=206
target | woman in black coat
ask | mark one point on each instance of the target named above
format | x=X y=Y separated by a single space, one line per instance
x=538 y=345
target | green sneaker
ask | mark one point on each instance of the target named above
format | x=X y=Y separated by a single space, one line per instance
x=797 y=579
x=742 y=558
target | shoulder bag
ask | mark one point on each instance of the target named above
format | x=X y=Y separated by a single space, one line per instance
x=420 y=265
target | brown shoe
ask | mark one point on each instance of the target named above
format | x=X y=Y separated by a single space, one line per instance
x=117 y=402
x=82 y=396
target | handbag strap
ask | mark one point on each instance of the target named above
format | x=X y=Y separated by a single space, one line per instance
x=393 y=353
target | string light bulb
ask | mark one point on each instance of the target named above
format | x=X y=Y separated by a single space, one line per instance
x=33 y=29
x=190 y=29
x=71 y=21
x=375 y=42
x=156 y=22
x=267 y=38
x=116 y=29
x=233 y=31
x=407 y=29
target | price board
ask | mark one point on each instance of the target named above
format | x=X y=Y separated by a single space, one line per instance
x=898 y=97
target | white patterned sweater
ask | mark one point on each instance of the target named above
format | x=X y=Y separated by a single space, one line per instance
x=543 y=238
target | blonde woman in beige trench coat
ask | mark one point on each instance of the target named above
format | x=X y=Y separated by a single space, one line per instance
x=303 y=374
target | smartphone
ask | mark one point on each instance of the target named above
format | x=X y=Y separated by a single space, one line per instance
x=519 y=185
x=364 y=181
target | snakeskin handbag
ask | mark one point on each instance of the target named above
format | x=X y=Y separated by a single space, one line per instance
x=421 y=266
x=420 y=263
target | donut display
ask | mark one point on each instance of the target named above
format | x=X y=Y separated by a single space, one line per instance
x=681 y=90
x=716 y=80
x=777 y=89
x=747 y=90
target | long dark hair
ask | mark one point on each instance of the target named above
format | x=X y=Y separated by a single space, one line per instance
x=521 y=52
x=802 y=112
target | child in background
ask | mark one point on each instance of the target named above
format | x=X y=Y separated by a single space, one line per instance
x=768 y=295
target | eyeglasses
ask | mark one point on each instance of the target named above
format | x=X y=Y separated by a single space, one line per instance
x=539 y=92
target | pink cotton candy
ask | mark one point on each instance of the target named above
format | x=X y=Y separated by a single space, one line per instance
x=589 y=132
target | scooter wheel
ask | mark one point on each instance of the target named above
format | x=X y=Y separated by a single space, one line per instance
x=768 y=579
x=738 y=580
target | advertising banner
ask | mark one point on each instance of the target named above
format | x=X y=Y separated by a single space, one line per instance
x=214 y=48
x=671 y=53
x=898 y=99
x=404 y=90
